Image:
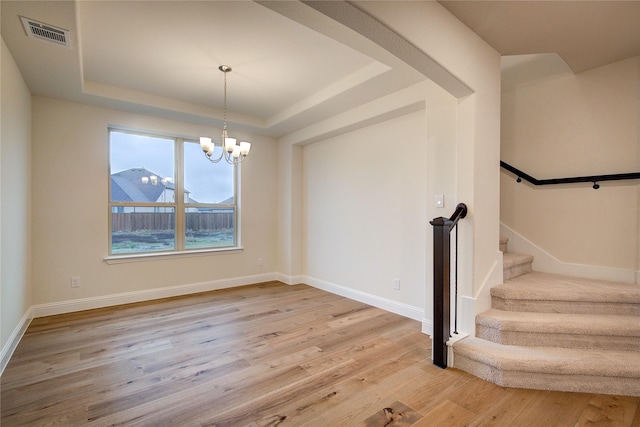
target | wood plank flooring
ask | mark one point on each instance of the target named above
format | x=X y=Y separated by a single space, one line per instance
x=263 y=355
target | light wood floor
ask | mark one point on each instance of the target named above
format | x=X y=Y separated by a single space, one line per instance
x=263 y=355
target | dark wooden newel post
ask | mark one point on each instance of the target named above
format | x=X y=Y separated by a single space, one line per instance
x=441 y=290
x=441 y=283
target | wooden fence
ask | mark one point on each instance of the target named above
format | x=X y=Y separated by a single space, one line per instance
x=195 y=221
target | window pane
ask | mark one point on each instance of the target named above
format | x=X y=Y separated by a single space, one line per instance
x=145 y=181
x=142 y=229
x=142 y=168
x=210 y=227
x=205 y=182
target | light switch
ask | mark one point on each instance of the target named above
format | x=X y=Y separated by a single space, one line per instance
x=439 y=200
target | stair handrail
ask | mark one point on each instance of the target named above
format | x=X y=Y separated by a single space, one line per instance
x=442 y=228
x=458 y=214
x=570 y=180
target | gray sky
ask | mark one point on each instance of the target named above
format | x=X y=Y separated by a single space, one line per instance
x=208 y=182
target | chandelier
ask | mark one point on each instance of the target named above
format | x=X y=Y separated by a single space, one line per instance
x=232 y=152
x=154 y=180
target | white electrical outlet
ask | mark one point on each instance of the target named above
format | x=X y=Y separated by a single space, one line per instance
x=260 y=262
x=439 y=200
x=75 y=282
x=396 y=284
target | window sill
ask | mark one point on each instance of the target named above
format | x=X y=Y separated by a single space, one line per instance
x=122 y=259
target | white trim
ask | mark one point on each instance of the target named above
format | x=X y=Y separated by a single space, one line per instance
x=61 y=307
x=160 y=256
x=547 y=263
x=13 y=341
x=450 y=352
x=471 y=306
x=402 y=309
x=427 y=327
x=467 y=312
x=290 y=280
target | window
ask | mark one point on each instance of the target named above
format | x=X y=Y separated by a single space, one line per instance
x=165 y=196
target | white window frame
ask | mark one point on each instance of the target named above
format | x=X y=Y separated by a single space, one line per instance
x=179 y=205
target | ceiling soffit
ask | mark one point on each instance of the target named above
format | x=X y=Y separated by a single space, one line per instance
x=586 y=34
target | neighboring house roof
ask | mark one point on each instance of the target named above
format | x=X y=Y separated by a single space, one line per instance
x=228 y=201
x=128 y=186
x=118 y=194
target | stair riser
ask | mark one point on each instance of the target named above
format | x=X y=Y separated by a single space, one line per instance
x=516 y=270
x=550 y=381
x=567 y=307
x=541 y=339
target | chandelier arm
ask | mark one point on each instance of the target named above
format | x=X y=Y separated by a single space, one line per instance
x=231 y=160
x=211 y=159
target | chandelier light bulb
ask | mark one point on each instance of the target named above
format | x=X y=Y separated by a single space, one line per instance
x=205 y=143
x=245 y=147
x=230 y=144
x=235 y=152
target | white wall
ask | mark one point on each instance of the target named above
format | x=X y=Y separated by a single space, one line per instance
x=15 y=179
x=576 y=125
x=368 y=197
x=290 y=265
x=70 y=214
x=458 y=52
x=365 y=218
x=442 y=172
x=431 y=28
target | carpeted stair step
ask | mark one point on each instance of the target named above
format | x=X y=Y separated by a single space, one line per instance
x=514 y=264
x=607 y=331
x=550 y=368
x=552 y=293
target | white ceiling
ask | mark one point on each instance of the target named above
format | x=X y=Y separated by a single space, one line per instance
x=292 y=65
x=173 y=50
x=586 y=34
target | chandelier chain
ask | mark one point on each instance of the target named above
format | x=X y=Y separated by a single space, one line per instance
x=225 y=101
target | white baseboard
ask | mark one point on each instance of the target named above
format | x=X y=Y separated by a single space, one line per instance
x=62 y=307
x=13 y=341
x=450 y=353
x=427 y=327
x=289 y=280
x=470 y=306
x=547 y=263
x=402 y=309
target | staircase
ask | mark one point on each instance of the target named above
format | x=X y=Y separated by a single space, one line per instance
x=553 y=332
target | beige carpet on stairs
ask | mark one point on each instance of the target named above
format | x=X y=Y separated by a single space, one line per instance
x=551 y=368
x=554 y=332
x=606 y=331
x=554 y=293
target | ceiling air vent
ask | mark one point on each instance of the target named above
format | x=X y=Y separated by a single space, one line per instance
x=46 y=32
